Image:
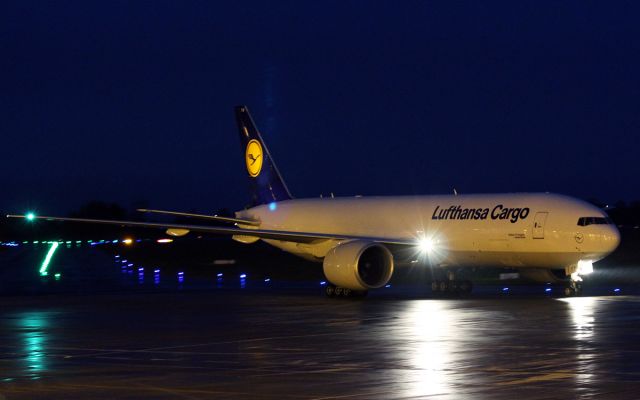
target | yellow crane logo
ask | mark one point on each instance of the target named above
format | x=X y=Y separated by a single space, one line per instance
x=253 y=157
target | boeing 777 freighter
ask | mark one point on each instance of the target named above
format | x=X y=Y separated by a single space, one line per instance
x=359 y=240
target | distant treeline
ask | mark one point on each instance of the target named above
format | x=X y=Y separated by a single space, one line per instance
x=622 y=213
x=19 y=229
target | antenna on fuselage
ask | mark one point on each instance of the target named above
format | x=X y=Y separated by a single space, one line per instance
x=455 y=192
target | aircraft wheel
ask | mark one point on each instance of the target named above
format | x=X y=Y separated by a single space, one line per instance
x=338 y=291
x=330 y=290
x=347 y=292
x=569 y=291
x=443 y=287
x=435 y=286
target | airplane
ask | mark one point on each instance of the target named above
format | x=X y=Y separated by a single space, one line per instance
x=360 y=240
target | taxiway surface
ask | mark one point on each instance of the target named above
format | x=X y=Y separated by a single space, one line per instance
x=232 y=344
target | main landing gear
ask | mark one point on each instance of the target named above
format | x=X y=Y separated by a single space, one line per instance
x=451 y=287
x=336 y=291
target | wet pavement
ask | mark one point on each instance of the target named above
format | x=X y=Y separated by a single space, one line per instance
x=238 y=344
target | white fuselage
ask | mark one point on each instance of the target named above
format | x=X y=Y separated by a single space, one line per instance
x=501 y=230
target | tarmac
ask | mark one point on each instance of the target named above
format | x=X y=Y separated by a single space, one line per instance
x=107 y=321
x=296 y=344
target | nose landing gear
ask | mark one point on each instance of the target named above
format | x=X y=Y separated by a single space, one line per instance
x=573 y=288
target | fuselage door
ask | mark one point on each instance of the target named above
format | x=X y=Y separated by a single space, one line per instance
x=538 y=225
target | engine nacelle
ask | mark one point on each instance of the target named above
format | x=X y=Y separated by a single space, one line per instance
x=358 y=265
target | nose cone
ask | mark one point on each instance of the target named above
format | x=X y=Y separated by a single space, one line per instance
x=610 y=238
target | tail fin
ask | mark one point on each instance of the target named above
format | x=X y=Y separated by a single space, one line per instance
x=267 y=185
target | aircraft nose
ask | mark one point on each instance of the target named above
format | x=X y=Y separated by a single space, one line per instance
x=611 y=238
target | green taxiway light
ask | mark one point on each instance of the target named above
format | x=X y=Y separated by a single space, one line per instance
x=47 y=259
x=57 y=276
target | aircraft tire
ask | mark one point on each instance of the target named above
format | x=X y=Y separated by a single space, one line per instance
x=330 y=290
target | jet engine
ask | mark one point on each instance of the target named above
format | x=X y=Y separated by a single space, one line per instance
x=358 y=265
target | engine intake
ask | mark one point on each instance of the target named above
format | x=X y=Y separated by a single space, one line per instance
x=358 y=265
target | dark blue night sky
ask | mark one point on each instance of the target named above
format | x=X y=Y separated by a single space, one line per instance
x=131 y=100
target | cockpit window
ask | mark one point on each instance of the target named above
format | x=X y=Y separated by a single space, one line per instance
x=584 y=221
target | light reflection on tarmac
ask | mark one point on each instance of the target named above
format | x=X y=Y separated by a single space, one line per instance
x=246 y=344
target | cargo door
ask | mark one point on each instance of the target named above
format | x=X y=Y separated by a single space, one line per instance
x=538 y=225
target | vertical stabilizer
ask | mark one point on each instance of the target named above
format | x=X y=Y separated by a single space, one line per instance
x=266 y=182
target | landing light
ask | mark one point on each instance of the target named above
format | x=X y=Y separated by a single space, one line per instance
x=585 y=267
x=427 y=245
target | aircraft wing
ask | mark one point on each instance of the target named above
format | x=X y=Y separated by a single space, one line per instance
x=298 y=237
x=202 y=216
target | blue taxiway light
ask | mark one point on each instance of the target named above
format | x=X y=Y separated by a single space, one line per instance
x=323 y=283
x=387 y=286
x=505 y=289
x=547 y=290
x=243 y=276
x=616 y=290
x=219 y=275
x=267 y=280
